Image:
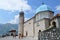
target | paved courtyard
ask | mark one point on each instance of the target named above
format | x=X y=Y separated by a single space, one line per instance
x=11 y=38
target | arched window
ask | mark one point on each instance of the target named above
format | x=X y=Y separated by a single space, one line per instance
x=39 y=30
x=54 y=23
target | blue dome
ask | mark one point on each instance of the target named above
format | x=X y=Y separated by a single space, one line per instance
x=43 y=8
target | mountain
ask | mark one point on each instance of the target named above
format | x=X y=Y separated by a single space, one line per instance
x=4 y=28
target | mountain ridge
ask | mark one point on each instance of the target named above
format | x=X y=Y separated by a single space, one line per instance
x=4 y=28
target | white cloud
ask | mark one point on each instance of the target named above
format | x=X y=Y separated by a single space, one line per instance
x=13 y=5
x=58 y=7
x=16 y=20
x=26 y=19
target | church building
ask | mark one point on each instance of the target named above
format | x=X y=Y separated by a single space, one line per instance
x=43 y=19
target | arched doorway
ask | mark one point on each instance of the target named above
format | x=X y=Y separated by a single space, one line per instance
x=26 y=33
x=11 y=34
x=54 y=23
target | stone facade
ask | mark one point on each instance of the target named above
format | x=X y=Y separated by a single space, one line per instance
x=52 y=32
x=28 y=28
x=40 y=25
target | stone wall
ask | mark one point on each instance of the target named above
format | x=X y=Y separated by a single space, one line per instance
x=50 y=34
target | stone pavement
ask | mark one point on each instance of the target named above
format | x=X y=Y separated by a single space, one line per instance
x=11 y=38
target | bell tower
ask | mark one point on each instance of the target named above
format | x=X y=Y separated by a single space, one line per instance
x=21 y=24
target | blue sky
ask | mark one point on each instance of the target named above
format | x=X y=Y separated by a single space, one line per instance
x=9 y=9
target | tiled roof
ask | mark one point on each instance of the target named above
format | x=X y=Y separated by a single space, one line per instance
x=57 y=15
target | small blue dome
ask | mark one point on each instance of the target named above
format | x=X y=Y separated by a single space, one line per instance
x=43 y=8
